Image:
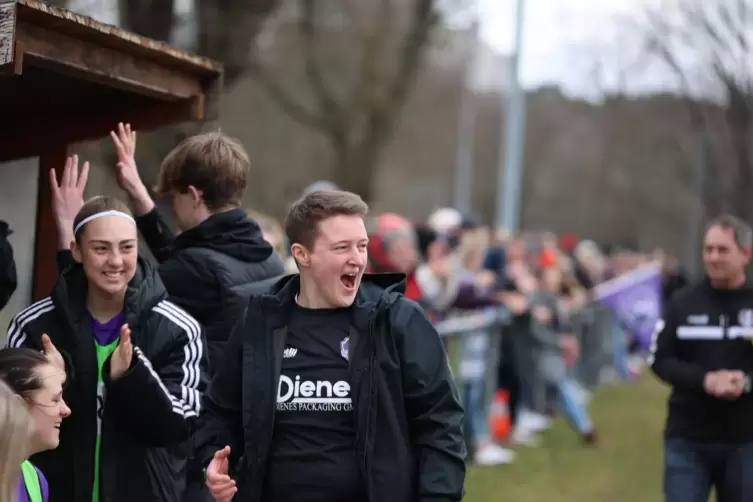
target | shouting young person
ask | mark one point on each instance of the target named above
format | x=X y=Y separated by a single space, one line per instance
x=335 y=387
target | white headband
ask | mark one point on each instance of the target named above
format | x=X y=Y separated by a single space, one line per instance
x=100 y=215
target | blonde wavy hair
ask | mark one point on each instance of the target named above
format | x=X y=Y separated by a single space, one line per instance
x=16 y=429
x=472 y=248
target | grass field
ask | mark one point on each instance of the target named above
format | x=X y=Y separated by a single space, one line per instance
x=624 y=467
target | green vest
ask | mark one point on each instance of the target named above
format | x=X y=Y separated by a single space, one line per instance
x=31 y=480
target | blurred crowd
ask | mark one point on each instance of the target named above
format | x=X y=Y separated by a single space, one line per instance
x=535 y=344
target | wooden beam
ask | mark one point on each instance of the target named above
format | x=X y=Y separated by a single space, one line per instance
x=8 y=12
x=88 y=61
x=30 y=141
x=45 y=271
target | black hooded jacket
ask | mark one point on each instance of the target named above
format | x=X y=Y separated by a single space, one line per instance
x=407 y=415
x=148 y=413
x=208 y=270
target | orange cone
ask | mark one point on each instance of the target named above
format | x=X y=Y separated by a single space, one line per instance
x=500 y=421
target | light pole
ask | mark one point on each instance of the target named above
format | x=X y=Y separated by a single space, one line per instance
x=512 y=138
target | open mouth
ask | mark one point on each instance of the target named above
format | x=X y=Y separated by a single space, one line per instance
x=349 y=280
x=113 y=275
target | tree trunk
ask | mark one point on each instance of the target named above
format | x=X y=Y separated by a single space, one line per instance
x=227 y=29
x=148 y=18
x=355 y=169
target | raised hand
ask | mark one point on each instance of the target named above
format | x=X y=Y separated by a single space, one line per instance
x=68 y=197
x=127 y=172
x=220 y=484
x=123 y=355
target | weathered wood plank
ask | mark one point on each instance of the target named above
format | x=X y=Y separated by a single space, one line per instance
x=7 y=32
x=45 y=15
x=88 y=61
x=21 y=142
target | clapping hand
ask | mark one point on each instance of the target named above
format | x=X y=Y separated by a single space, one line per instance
x=123 y=354
x=725 y=384
x=52 y=353
x=220 y=484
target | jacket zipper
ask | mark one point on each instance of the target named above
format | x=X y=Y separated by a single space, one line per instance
x=372 y=359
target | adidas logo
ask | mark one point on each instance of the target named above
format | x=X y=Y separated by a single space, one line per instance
x=289 y=352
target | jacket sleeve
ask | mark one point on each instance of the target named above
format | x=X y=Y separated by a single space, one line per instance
x=663 y=357
x=17 y=337
x=221 y=424
x=159 y=400
x=435 y=416
x=8 y=277
x=157 y=234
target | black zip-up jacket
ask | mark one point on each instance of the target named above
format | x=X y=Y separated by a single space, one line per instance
x=705 y=329
x=209 y=269
x=408 y=418
x=148 y=413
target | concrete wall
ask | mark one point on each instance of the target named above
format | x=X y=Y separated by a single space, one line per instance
x=18 y=206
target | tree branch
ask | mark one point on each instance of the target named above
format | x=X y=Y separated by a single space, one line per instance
x=330 y=110
x=382 y=116
x=276 y=92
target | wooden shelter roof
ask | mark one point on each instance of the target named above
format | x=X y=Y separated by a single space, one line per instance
x=66 y=78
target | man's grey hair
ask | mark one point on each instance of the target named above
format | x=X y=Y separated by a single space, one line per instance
x=742 y=231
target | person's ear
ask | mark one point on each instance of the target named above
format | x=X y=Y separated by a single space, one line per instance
x=76 y=252
x=197 y=196
x=301 y=255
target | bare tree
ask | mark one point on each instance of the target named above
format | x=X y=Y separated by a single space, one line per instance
x=354 y=101
x=225 y=33
x=227 y=29
x=708 y=46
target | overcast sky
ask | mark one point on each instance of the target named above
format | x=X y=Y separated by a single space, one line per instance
x=565 y=42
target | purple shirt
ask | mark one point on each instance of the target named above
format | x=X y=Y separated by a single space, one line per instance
x=21 y=494
x=106 y=333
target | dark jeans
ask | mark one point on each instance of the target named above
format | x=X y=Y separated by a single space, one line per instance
x=692 y=469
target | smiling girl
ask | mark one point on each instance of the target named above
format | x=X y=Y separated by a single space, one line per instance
x=39 y=382
x=136 y=364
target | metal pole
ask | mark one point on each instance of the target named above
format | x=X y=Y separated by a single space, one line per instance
x=512 y=138
x=464 y=155
x=697 y=210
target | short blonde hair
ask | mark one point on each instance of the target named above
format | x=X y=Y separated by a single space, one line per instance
x=16 y=429
x=213 y=163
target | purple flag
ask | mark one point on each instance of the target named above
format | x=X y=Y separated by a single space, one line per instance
x=635 y=300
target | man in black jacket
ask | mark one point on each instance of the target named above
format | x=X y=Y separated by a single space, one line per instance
x=334 y=387
x=703 y=349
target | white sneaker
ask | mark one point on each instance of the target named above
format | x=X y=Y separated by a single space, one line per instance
x=524 y=437
x=532 y=421
x=492 y=454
